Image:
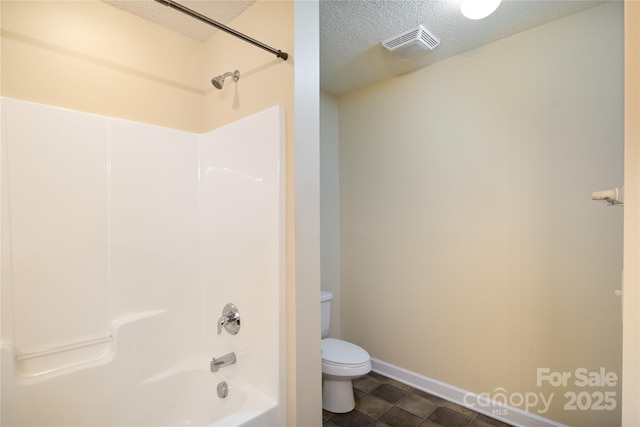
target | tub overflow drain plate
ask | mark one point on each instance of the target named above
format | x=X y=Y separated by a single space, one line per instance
x=223 y=390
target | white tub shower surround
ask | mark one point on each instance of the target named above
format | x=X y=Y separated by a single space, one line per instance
x=121 y=244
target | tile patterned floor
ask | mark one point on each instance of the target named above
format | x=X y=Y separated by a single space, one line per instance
x=383 y=402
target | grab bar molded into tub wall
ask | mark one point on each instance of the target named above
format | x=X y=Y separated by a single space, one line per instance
x=71 y=357
x=64 y=348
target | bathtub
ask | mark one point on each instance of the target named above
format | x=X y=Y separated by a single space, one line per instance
x=185 y=395
x=131 y=383
x=200 y=405
x=112 y=320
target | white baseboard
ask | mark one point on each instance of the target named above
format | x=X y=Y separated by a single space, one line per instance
x=507 y=414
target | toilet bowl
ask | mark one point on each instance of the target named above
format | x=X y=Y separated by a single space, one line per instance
x=342 y=362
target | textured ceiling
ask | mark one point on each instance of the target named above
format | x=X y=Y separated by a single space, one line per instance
x=351 y=55
x=221 y=11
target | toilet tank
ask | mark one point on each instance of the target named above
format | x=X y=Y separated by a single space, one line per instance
x=325 y=312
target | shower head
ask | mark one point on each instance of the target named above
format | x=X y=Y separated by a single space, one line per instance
x=218 y=81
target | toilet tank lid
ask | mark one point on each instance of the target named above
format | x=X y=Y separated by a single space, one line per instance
x=325 y=296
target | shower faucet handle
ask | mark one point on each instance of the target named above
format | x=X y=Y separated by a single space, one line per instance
x=230 y=319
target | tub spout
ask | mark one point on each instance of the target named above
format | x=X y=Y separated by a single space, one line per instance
x=220 y=362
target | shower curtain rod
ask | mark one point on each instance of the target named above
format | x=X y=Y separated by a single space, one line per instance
x=194 y=14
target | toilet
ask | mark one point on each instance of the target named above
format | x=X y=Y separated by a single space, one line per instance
x=342 y=362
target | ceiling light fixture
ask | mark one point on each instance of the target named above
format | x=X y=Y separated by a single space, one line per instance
x=478 y=9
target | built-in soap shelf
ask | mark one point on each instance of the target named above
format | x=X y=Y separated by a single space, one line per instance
x=63 y=357
x=73 y=356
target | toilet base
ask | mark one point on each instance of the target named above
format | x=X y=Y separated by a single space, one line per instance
x=337 y=395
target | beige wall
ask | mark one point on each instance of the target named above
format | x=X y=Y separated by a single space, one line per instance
x=631 y=309
x=471 y=251
x=92 y=57
x=89 y=56
x=264 y=78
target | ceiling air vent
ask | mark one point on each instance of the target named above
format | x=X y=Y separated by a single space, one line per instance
x=411 y=42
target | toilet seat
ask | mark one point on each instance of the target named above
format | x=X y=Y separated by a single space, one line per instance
x=343 y=352
x=342 y=358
